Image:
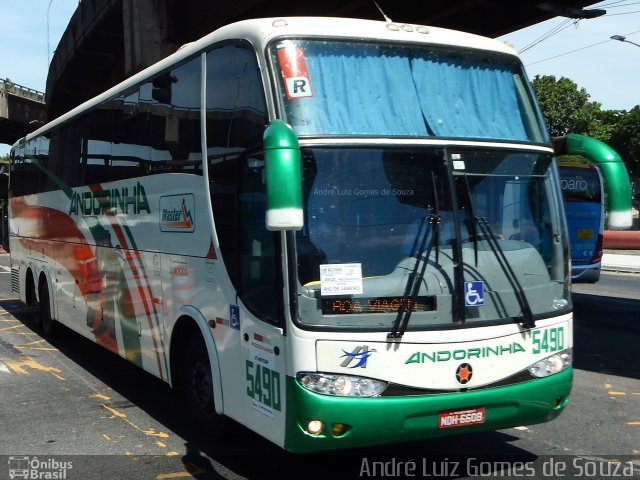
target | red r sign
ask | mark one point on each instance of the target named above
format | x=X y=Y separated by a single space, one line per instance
x=294 y=72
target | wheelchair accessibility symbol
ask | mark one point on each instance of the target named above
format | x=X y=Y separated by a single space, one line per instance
x=473 y=294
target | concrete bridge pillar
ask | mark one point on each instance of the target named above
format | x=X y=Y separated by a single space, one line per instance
x=146 y=33
x=4 y=104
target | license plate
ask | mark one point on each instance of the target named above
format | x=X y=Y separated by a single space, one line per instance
x=461 y=418
x=584 y=234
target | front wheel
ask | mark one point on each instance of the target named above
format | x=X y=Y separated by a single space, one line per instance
x=197 y=383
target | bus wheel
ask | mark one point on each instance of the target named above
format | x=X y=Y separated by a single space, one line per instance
x=198 y=387
x=31 y=301
x=44 y=313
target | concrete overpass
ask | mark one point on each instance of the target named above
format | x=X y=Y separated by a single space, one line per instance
x=22 y=110
x=108 y=40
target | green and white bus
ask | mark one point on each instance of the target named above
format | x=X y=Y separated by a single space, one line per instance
x=336 y=232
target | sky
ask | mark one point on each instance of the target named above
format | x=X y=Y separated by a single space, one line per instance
x=582 y=51
x=609 y=70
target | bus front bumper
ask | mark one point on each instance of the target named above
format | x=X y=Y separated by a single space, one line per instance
x=359 y=422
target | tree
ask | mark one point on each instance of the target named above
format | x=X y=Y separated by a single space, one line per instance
x=625 y=139
x=605 y=124
x=566 y=108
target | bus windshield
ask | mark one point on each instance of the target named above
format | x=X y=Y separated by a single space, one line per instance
x=331 y=87
x=476 y=224
x=580 y=184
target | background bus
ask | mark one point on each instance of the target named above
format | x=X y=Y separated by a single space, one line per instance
x=290 y=222
x=597 y=195
x=584 y=203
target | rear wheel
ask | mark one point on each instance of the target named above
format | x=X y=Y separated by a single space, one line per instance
x=197 y=385
x=44 y=313
x=31 y=300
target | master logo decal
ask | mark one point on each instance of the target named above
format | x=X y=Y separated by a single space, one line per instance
x=176 y=213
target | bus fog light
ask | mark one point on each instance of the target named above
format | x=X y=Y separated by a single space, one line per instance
x=314 y=427
x=553 y=364
x=341 y=385
x=339 y=429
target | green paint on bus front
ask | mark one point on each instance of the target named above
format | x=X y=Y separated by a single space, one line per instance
x=383 y=420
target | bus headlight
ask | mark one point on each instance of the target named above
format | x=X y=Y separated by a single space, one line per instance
x=341 y=385
x=553 y=364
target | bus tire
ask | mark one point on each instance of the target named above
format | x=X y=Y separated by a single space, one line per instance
x=32 y=299
x=197 y=382
x=44 y=313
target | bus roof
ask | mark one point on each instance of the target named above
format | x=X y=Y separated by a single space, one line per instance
x=261 y=31
x=575 y=161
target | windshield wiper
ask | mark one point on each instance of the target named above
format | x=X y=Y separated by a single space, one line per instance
x=422 y=246
x=471 y=224
x=527 y=315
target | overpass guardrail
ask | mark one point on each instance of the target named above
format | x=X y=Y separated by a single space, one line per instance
x=21 y=91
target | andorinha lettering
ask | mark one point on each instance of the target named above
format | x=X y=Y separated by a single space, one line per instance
x=461 y=354
x=124 y=200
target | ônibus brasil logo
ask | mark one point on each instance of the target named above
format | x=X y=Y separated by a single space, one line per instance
x=32 y=467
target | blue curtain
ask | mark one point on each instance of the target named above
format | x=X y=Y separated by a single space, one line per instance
x=462 y=98
x=357 y=91
x=374 y=90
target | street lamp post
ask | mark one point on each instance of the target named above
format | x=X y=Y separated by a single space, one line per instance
x=622 y=38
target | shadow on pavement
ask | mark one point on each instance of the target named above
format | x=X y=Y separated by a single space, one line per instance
x=228 y=458
x=606 y=342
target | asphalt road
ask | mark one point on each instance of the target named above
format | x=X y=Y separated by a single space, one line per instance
x=71 y=408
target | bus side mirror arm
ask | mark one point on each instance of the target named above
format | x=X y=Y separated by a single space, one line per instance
x=283 y=171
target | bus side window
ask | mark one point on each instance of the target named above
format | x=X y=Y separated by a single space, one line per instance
x=259 y=256
x=236 y=118
x=236 y=106
x=250 y=252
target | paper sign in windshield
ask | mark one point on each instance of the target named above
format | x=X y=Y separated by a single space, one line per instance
x=341 y=279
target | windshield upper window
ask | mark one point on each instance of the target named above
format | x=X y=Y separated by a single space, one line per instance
x=580 y=184
x=374 y=216
x=356 y=88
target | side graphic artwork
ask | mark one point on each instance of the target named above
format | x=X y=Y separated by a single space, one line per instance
x=110 y=276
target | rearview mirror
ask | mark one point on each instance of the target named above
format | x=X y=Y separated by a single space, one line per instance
x=283 y=177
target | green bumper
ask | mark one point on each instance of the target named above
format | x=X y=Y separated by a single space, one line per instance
x=383 y=420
